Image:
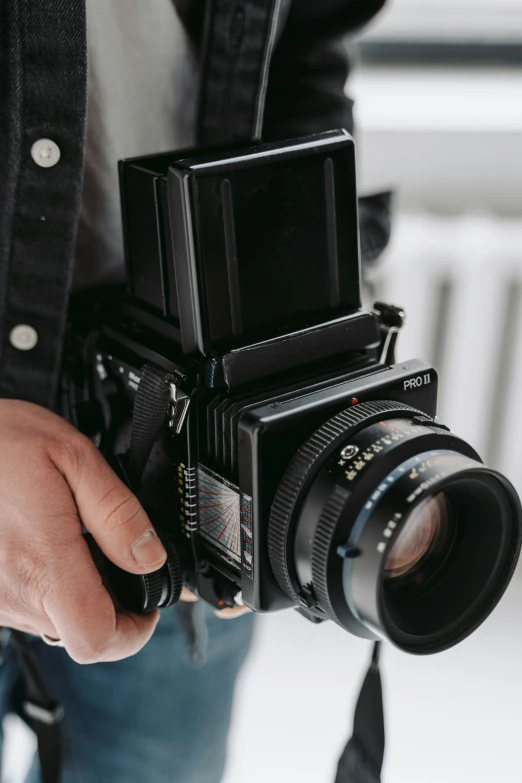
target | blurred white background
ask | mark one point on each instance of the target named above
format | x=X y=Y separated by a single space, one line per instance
x=438 y=89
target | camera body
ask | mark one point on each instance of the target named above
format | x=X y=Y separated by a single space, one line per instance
x=244 y=294
x=225 y=464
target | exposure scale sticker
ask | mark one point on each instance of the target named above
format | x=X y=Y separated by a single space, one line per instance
x=219 y=512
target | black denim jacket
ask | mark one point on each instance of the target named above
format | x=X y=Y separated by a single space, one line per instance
x=271 y=68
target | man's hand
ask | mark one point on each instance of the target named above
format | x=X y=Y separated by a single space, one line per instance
x=53 y=480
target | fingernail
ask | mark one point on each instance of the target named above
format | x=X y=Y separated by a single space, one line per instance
x=231 y=613
x=148 y=550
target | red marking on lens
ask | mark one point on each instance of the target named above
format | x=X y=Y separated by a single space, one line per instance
x=355 y=401
x=384 y=423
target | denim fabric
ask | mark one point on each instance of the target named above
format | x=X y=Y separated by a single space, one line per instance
x=43 y=90
x=157 y=716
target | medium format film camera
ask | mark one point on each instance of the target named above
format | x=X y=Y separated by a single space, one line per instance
x=254 y=406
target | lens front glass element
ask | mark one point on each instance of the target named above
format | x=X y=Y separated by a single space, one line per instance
x=422 y=546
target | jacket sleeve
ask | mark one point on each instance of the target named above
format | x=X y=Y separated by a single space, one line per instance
x=306 y=84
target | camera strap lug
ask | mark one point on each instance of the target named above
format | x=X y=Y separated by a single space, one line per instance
x=391 y=320
x=179 y=403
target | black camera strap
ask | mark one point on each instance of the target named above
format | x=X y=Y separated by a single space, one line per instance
x=150 y=408
x=42 y=712
x=361 y=759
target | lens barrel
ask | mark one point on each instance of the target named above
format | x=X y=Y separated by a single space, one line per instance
x=390 y=525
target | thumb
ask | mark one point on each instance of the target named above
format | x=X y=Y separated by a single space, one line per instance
x=112 y=513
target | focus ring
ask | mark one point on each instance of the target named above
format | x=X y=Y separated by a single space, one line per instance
x=302 y=470
x=321 y=548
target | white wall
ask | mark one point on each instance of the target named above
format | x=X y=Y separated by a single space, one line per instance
x=448 y=140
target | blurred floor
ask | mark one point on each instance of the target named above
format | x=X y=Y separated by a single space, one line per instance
x=451 y=718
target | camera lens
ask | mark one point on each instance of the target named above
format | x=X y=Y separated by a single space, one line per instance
x=406 y=535
x=422 y=546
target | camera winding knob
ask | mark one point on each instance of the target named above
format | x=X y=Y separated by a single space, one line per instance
x=142 y=593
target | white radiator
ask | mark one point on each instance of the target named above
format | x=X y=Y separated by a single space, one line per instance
x=460 y=282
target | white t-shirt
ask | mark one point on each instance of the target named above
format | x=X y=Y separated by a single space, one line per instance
x=142 y=98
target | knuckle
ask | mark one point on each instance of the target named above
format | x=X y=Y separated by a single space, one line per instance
x=93 y=644
x=90 y=651
x=124 y=512
x=71 y=452
x=34 y=579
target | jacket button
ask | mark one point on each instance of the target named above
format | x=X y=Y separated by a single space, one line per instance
x=45 y=153
x=23 y=337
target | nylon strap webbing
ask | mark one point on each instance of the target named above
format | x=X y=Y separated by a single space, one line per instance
x=361 y=760
x=150 y=408
x=43 y=713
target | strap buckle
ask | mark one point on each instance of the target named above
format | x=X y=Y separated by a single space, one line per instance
x=50 y=716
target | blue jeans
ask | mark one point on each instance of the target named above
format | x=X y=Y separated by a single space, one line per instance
x=159 y=716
